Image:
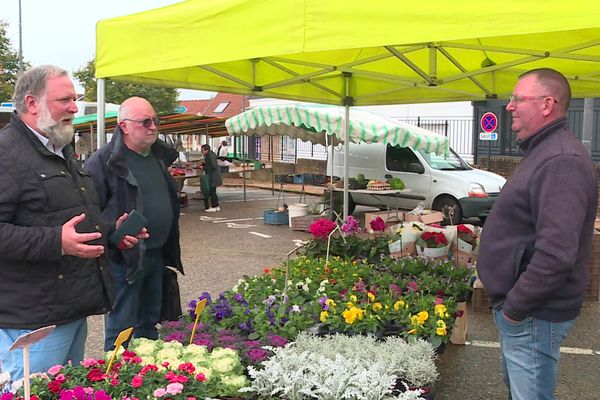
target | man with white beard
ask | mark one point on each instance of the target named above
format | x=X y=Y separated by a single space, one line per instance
x=52 y=268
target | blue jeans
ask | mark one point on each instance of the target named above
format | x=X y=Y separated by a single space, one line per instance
x=64 y=343
x=530 y=354
x=136 y=304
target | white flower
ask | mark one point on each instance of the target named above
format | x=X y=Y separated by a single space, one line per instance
x=307 y=280
x=4 y=378
x=220 y=352
x=296 y=308
x=223 y=365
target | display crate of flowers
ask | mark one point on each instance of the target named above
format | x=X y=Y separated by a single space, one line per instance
x=148 y=369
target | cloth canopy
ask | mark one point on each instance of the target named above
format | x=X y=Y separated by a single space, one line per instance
x=407 y=52
x=314 y=123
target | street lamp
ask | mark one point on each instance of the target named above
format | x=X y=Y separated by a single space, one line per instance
x=20 y=41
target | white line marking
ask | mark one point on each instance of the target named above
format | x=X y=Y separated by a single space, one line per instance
x=259 y=234
x=566 y=350
x=233 y=220
x=207 y=218
x=238 y=226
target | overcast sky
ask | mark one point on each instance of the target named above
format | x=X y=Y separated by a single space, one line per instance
x=63 y=32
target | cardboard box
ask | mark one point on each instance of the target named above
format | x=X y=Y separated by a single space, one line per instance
x=461 y=326
x=430 y=217
x=387 y=216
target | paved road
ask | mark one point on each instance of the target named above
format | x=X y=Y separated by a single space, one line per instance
x=219 y=248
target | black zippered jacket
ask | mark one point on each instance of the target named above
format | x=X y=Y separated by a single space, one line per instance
x=39 y=192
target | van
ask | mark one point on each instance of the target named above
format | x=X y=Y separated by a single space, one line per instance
x=442 y=182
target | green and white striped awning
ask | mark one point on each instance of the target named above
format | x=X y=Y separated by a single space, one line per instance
x=316 y=123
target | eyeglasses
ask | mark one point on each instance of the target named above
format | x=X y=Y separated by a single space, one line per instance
x=147 y=123
x=520 y=99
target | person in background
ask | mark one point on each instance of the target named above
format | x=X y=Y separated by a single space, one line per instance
x=223 y=151
x=536 y=243
x=129 y=173
x=52 y=265
x=213 y=171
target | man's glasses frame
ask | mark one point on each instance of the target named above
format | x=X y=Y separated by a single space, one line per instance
x=520 y=99
x=146 y=123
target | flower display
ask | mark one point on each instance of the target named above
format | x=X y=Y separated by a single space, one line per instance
x=466 y=234
x=191 y=372
x=321 y=228
x=432 y=240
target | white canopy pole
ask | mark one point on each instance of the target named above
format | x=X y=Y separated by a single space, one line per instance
x=588 y=123
x=101 y=107
x=346 y=127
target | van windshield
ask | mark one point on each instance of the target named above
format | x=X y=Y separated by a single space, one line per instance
x=450 y=162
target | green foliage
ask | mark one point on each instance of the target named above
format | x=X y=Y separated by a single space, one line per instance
x=351 y=247
x=396 y=183
x=9 y=65
x=163 y=99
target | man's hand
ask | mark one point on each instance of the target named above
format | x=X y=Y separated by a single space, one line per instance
x=74 y=243
x=128 y=241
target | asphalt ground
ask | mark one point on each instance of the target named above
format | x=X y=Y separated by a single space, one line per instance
x=220 y=248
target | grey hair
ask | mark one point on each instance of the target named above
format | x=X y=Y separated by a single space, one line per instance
x=33 y=82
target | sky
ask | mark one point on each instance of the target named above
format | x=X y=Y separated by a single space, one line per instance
x=63 y=32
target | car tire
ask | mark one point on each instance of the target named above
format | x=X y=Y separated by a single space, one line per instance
x=450 y=208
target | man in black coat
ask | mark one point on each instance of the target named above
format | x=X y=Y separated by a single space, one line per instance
x=52 y=269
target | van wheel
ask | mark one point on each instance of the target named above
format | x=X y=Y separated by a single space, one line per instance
x=450 y=208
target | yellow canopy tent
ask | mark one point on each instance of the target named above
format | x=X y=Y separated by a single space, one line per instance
x=350 y=52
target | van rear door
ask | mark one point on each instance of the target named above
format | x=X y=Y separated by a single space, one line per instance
x=403 y=163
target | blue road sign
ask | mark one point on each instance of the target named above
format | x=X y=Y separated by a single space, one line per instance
x=489 y=122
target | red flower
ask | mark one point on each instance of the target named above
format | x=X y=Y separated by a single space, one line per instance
x=147 y=368
x=137 y=381
x=172 y=377
x=200 y=377
x=466 y=234
x=378 y=224
x=433 y=239
x=55 y=386
x=96 y=375
x=321 y=228
x=187 y=367
x=114 y=381
x=131 y=357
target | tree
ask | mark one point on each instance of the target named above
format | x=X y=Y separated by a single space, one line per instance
x=163 y=99
x=9 y=65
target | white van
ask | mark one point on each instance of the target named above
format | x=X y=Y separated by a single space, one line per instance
x=445 y=183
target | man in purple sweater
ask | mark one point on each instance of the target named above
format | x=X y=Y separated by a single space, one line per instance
x=536 y=243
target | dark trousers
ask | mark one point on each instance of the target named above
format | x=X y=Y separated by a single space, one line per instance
x=214 y=200
x=136 y=304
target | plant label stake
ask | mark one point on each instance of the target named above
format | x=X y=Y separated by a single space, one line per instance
x=199 y=308
x=124 y=336
x=338 y=222
x=23 y=342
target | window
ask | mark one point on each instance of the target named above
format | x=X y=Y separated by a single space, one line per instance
x=221 y=107
x=398 y=158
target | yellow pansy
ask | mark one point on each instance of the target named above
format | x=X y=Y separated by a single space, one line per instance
x=422 y=317
x=323 y=316
x=330 y=303
x=398 y=305
x=440 y=309
x=441 y=328
x=377 y=307
x=371 y=296
x=353 y=298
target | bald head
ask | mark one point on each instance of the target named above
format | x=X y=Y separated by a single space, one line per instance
x=139 y=124
x=555 y=84
x=132 y=106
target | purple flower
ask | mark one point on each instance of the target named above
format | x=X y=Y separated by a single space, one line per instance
x=204 y=342
x=396 y=290
x=229 y=339
x=238 y=297
x=412 y=286
x=172 y=324
x=65 y=395
x=323 y=303
x=177 y=336
x=246 y=326
x=257 y=355
x=351 y=226
x=276 y=340
x=252 y=343
x=102 y=395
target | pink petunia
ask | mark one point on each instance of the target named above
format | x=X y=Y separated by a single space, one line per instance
x=89 y=362
x=160 y=392
x=137 y=381
x=55 y=369
x=174 y=388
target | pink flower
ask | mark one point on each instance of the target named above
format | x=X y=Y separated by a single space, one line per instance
x=351 y=226
x=321 y=228
x=55 y=369
x=438 y=300
x=160 y=392
x=89 y=362
x=174 y=388
x=137 y=381
x=88 y=390
x=201 y=377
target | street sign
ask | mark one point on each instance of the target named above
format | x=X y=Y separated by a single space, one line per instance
x=489 y=122
x=488 y=136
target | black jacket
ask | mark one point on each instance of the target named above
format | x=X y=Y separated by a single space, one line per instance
x=536 y=243
x=39 y=192
x=118 y=192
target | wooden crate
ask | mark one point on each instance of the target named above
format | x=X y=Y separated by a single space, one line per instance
x=303 y=222
x=480 y=302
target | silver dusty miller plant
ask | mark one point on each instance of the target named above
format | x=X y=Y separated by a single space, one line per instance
x=338 y=367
